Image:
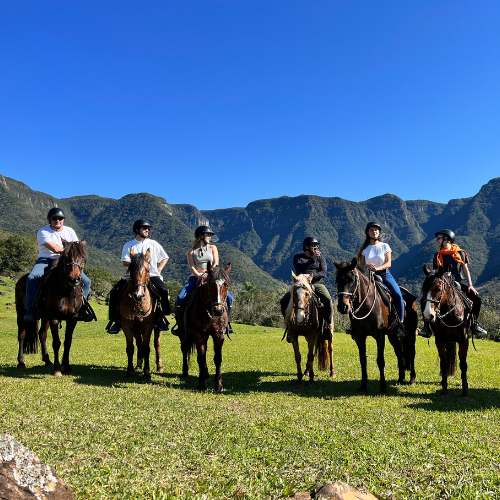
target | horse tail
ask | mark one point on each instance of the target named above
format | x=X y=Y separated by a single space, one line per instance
x=451 y=358
x=321 y=353
x=30 y=330
x=188 y=345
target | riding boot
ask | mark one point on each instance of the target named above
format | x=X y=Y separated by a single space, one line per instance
x=178 y=328
x=229 y=328
x=426 y=331
x=115 y=327
x=162 y=323
x=29 y=316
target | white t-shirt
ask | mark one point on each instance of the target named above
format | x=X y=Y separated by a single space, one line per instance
x=375 y=254
x=47 y=235
x=157 y=253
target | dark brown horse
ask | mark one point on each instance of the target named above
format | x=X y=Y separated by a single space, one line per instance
x=446 y=313
x=137 y=315
x=302 y=319
x=206 y=314
x=28 y=334
x=358 y=296
x=61 y=298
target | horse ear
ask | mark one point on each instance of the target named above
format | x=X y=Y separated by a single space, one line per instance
x=335 y=263
x=83 y=243
x=147 y=255
x=132 y=253
x=64 y=242
x=426 y=270
x=294 y=278
x=309 y=277
x=440 y=271
x=353 y=263
x=228 y=267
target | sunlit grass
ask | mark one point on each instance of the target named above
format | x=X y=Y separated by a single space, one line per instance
x=263 y=437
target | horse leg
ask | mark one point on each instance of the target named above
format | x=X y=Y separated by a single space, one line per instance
x=56 y=345
x=68 y=340
x=129 y=337
x=21 y=334
x=462 y=355
x=443 y=361
x=146 y=349
x=140 y=357
x=202 y=365
x=185 y=359
x=381 y=363
x=398 y=350
x=42 y=335
x=295 y=343
x=157 y=345
x=330 y=354
x=218 y=362
x=311 y=341
x=361 y=342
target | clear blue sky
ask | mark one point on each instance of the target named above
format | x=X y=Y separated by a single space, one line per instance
x=219 y=103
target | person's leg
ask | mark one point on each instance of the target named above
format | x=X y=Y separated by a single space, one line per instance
x=397 y=297
x=115 y=294
x=161 y=323
x=479 y=331
x=229 y=302
x=284 y=303
x=86 y=285
x=32 y=286
x=178 y=329
x=326 y=313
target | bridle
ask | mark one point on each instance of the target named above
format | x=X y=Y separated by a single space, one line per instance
x=357 y=290
x=145 y=284
x=305 y=306
x=442 y=300
x=214 y=303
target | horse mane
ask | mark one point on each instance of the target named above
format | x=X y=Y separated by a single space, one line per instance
x=301 y=282
x=136 y=263
x=73 y=250
x=218 y=273
x=427 y=280
x=345 y=264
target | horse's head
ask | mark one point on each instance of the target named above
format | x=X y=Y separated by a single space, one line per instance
x=218 y=284
x=139 y=274
x=301 y=294
x=434 y=293
x=347 y=279
x=72 y=260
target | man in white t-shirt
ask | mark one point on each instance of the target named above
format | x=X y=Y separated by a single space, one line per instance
x=140 y=244
x=50 y=246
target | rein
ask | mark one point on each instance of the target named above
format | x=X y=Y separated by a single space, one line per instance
x=307 y=308
x=357 y=288
x=442 y=301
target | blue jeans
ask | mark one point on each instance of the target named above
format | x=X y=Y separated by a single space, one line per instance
x=190 y=285
x=35 y=276
x=393 y=287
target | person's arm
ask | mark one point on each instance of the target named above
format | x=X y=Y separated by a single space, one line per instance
x=54 y=247
x=126 y=263
x=161 y=265
x=215 y=253
x=320 y=273
x=465 y=269
x=385 y=265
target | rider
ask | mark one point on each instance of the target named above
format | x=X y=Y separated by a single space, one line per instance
x=201 y=253
x=451 y=255
x=312 y=262
x=140 y=244
x=375 y=256
x=50 y=246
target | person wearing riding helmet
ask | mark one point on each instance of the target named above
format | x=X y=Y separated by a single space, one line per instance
x=50 y=247
x=141 y=244
x=199 y=256
x=375 y=255
x=451 y=257
x=312 y=262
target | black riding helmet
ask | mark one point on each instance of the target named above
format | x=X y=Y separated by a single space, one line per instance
x=140 y=223
x=447 y=232
x=308 y=241
x=56 y=212
x=201 y=230
x=372 y=224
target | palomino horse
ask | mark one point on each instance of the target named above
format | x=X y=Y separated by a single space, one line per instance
x=358 y=296
x=206 y=316
x=446 y=312
x=302 y=319
x=28 y=334
x=61 y=298
x=137 y=315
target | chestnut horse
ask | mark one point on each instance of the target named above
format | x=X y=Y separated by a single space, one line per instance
x=137 y=315
x=302 y=319
x=358 y=295
x=28 y=334
x=61 y=298
x=206 y=316
x=446 y=313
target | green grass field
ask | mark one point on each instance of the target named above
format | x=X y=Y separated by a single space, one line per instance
x=263 y=437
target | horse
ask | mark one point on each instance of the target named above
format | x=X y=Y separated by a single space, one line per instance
x=138 y=314
x=358 y=296
x=302 y=319
x=29 y=335
x=446 y=312
x=60 y=298
x=206 y=316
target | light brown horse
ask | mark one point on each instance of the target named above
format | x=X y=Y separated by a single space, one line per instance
x=28 y=334
x=446 y=313
x=61 y=298
x=206 y=314
x=137 y=315
x=302 y=319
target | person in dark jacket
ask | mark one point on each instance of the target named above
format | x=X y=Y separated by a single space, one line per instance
x=453 y=258
x=312 y=262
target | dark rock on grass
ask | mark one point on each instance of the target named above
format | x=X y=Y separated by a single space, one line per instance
x=23 y=477
x=334 y=491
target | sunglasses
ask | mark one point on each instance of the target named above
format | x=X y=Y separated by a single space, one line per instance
x=57 y=218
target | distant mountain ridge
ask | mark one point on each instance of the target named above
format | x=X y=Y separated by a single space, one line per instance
x=261 y=238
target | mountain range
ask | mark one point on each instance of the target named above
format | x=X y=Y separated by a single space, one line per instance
x=261 y=238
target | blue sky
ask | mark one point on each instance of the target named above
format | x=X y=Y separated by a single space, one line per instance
x=219 y=103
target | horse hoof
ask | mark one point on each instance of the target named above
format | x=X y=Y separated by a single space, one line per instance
x=57 y=373
x=298 y=382
x=311 y=382
x=184 y=376
x=21 y=366
x=68 y=372
x=466 y=395
x=445 y=394
x=413 y=381
x=137 y=368
x=333 y=375
x=220 y=388
x=49 y=364
x=306 y=373
x=146 y=377
x=129 y=375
